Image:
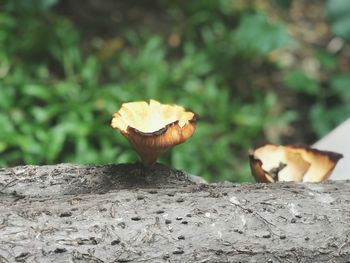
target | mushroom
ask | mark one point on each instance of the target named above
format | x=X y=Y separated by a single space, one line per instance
x=153 y=128
x=271 y=163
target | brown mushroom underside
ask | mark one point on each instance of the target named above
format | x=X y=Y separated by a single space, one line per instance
x=150 y=147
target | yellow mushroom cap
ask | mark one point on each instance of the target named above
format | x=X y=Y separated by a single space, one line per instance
x=271 y=163
x=153 y=128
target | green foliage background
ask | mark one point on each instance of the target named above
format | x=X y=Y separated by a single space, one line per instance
x=59 y=86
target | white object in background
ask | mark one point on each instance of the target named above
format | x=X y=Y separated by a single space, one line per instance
x=338 y=141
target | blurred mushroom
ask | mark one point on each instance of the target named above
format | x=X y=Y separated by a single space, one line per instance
x=153 y=128
x=271 y=163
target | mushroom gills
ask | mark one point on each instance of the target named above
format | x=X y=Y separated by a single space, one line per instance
x=273 y=172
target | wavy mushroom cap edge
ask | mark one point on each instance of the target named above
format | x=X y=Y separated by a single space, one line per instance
x=154 y=128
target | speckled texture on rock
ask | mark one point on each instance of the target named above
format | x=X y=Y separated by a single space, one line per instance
x=118 y=213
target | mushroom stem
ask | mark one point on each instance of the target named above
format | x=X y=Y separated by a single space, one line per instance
x=147 y=156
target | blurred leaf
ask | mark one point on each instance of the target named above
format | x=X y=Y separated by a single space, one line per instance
x=90 y=71
x=328 y=61
x=55 y=142
x=283 y=3
x=37 y=91
x=29 y=5
x=299 y=81
x=339 y=16
x=324 y=119
x=7 y=98
x=255 y=34
x=341 y=84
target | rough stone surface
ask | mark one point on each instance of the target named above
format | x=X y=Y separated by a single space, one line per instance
x=123 y=213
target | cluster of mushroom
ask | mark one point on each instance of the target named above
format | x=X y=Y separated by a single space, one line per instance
x=153 y=128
